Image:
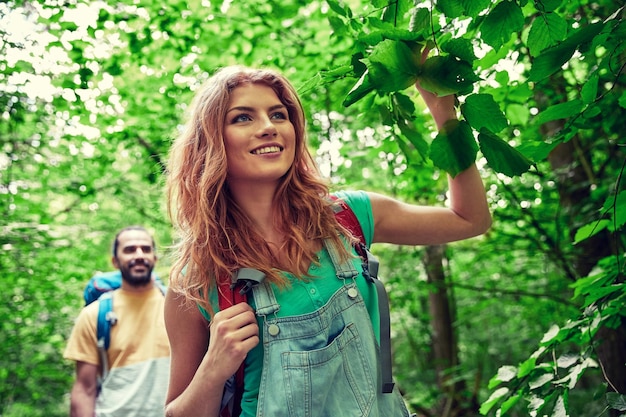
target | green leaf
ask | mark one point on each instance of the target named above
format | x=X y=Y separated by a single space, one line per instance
x=474 y=7
x=420 y=20
x=481 y=110
x=567 y=359
x=310 y=85
x=454 y=149
x=616 y=401
x=560 y=408
x=589 y=91
x=552 y=59
x=451 y=8
x=416 y=139
x=560 y=111
x=526 y=367
x=362 y=88
x=510 y=402
x=622 y=100
x=501 y=22
x=588 y=284
x=590 y=229
x=541 y=380
x=461 y=48
x=392 y=66
x=551 y=334
x=536 y=150
x=501 y=156
x=506 y=373
x=336 y=73
x=492 y=400
x=340 y=9
x=547 y=5
x=395 y=10
x=546 y=30
x=517 y=114
x=446 y=75
x=602 y=292
x=616 y=207
x=339 y=26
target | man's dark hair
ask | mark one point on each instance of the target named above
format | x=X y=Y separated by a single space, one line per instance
x=127 y=228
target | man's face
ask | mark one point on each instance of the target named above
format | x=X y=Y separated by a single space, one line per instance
x=135 y=257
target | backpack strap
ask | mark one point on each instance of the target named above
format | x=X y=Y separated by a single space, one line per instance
x=231 y=292
x=106 y=319
x=348 y=219
x=371 y=274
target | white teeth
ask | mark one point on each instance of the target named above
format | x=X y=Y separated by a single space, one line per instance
x=269 y=149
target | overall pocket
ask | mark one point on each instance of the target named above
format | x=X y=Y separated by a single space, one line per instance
x=335 y=380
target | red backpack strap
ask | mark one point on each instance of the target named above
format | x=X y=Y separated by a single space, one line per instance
x=346 y=217
x=229 y=295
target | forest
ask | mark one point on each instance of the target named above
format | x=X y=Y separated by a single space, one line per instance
x=526 y=320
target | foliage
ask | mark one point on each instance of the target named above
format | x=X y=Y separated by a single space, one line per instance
x=540 y=35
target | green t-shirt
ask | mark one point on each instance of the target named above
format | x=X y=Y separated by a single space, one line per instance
x=302 y=297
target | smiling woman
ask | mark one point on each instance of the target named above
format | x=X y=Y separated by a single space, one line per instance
x=245 y=194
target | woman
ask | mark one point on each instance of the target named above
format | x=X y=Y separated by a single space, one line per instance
x=244 y=191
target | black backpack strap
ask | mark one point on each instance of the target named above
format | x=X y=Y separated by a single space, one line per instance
x=370 y=271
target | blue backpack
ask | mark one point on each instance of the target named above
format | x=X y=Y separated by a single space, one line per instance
x=100 y=287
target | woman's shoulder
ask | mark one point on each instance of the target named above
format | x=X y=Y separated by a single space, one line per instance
x=353 y=198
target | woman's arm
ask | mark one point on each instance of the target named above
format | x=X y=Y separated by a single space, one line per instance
x=199 y=369
x=406 y=224
x=467 y=216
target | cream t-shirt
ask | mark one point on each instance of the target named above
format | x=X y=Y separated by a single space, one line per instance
x=138 y=354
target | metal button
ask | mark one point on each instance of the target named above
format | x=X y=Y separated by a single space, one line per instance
x=273 y=329
x=352 y=292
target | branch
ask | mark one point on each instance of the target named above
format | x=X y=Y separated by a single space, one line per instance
x=555 y=251
x=520 y=293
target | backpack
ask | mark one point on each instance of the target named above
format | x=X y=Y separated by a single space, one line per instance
x=100 y=287
x=246 y=278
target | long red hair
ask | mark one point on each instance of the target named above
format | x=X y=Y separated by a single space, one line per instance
x=215 y=237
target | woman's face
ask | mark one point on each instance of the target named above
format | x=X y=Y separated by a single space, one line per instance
x=260 y=139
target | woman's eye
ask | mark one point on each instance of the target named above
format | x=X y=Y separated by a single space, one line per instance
x=280 y=115
x=241 y=118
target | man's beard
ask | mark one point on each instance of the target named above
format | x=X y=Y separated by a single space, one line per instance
x=137 y=280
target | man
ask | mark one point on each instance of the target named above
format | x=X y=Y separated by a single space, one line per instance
x=138 y=355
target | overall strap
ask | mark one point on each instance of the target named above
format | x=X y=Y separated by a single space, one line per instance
x=344 y=269
x=348 y=219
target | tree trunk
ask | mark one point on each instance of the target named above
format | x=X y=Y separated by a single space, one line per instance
x=444 y=342
x=574 y=191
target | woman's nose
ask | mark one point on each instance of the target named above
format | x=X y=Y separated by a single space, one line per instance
x=267 y=128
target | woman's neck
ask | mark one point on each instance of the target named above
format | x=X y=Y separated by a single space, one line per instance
x=257 y=201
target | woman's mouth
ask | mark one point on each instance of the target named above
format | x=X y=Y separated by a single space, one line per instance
x=266 y=150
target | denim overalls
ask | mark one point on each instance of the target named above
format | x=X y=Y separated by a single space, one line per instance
x=325 y=363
